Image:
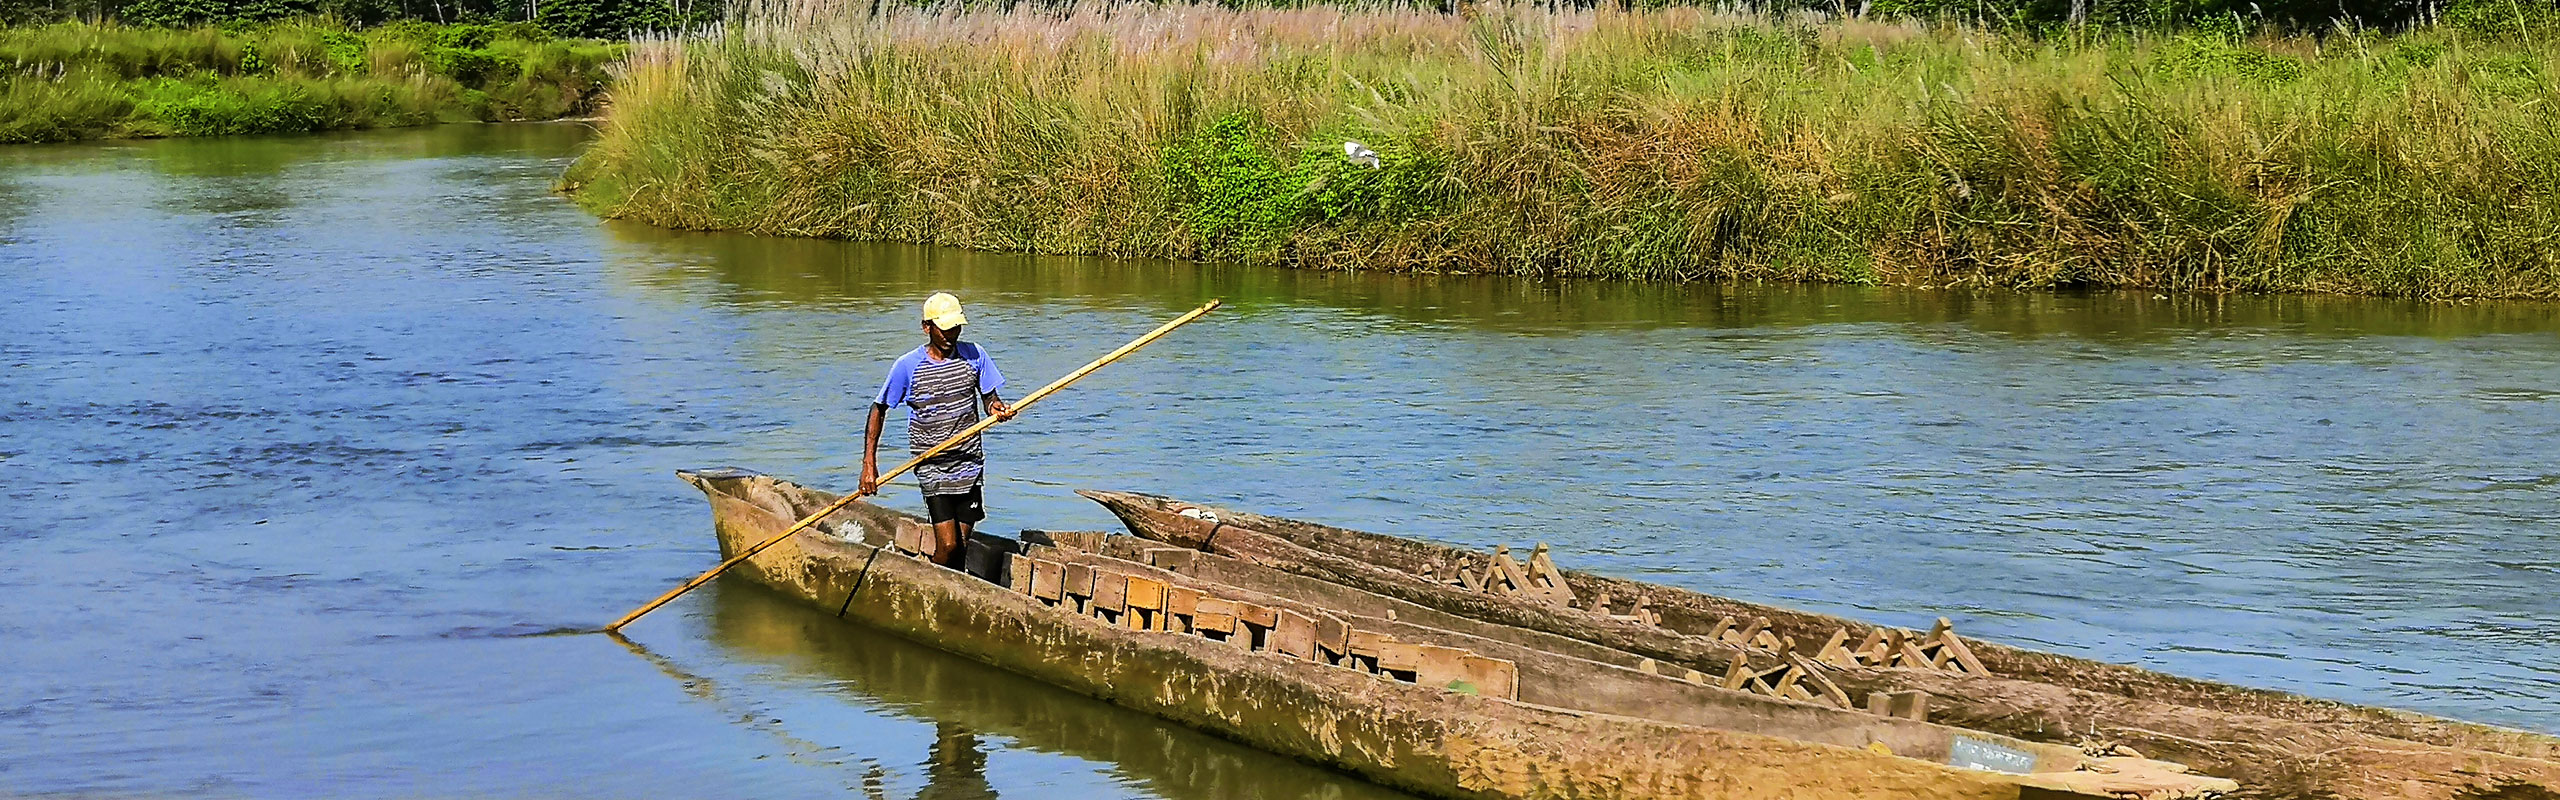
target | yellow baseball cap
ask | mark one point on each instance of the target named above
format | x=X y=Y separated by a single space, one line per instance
x=944 y=311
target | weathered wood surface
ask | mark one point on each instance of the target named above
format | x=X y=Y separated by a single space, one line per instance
x=2277 y=744
x=965 y=695
x=1548 y=678
x=1421 y=739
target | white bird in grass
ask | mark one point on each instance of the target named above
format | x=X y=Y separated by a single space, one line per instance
x=1361 y=154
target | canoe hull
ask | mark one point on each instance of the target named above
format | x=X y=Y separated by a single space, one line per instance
x=2274 y=743
x=1419 y=739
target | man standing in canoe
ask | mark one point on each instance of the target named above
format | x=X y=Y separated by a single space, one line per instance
x=942 y=385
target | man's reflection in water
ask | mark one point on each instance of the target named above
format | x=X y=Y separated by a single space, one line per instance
x=957 y=768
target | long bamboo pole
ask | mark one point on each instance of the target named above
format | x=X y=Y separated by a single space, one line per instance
x=946 y=444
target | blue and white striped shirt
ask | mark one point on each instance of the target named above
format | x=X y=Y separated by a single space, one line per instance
x=941 y=397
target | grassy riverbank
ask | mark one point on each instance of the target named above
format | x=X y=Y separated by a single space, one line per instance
x=1673 y=144
x=84 y=81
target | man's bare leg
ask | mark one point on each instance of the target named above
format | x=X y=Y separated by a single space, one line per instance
x=945 y=542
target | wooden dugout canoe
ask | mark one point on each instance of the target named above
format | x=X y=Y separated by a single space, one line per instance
x=961 y=695
x=1265 y=686
x=2276 y=744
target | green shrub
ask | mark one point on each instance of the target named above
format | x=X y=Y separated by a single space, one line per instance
x=466 y=66
x=345 y=52
x=2504 y=20
x=1239 y=198
x=234 y=106
x=2200 y=56
x=408 y=30
x=1235 y=195
x=74 y=81
x=2419 y=54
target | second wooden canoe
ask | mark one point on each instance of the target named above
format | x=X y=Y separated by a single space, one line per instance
x=2275 y=743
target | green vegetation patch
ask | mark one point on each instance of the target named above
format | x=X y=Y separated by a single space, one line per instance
x=1240 y=198
x=80 y=81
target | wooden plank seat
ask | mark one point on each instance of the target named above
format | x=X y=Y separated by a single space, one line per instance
x=1148 y=598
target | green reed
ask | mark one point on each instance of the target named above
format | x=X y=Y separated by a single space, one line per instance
x=1674 y=144
x=82 y=81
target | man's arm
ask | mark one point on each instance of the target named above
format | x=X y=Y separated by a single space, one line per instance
x=989 y=380
x=871 y=448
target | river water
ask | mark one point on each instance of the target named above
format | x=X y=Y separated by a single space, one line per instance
x=313 y=442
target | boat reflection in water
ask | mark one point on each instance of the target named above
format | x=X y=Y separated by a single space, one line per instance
x=967 y=701
x=957 y=769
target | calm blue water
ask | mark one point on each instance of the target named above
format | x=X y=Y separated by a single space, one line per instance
x=307 y=435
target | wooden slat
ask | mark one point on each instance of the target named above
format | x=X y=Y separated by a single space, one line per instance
x=913 y=538
x=1048 y=580
x=1493 y=677
x=1964 y=655
x=1079 y=580
x=1146 y=593
x=1437 y=666
x=1399 y=656
x=1332 y=638
x=1215 y=614
x=1782 y=682
x=1832 y=652
x=1366 y=644
x=1506 y=576
x=1772 y=642
x=1294 y=635
x=1871 y=649
x=1746 y=633
x=1253 y=625
x=1256 y=615
x=1813 y=674
x=1176 y=559
x=1543 y=572
x=1110 y=591
x=1739 y=673
x=1181 y=608
x=1018 y=569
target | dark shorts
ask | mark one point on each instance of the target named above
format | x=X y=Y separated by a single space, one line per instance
x=965 y=508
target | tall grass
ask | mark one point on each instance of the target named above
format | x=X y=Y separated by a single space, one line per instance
x=79 y=81
x=1678 y=143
